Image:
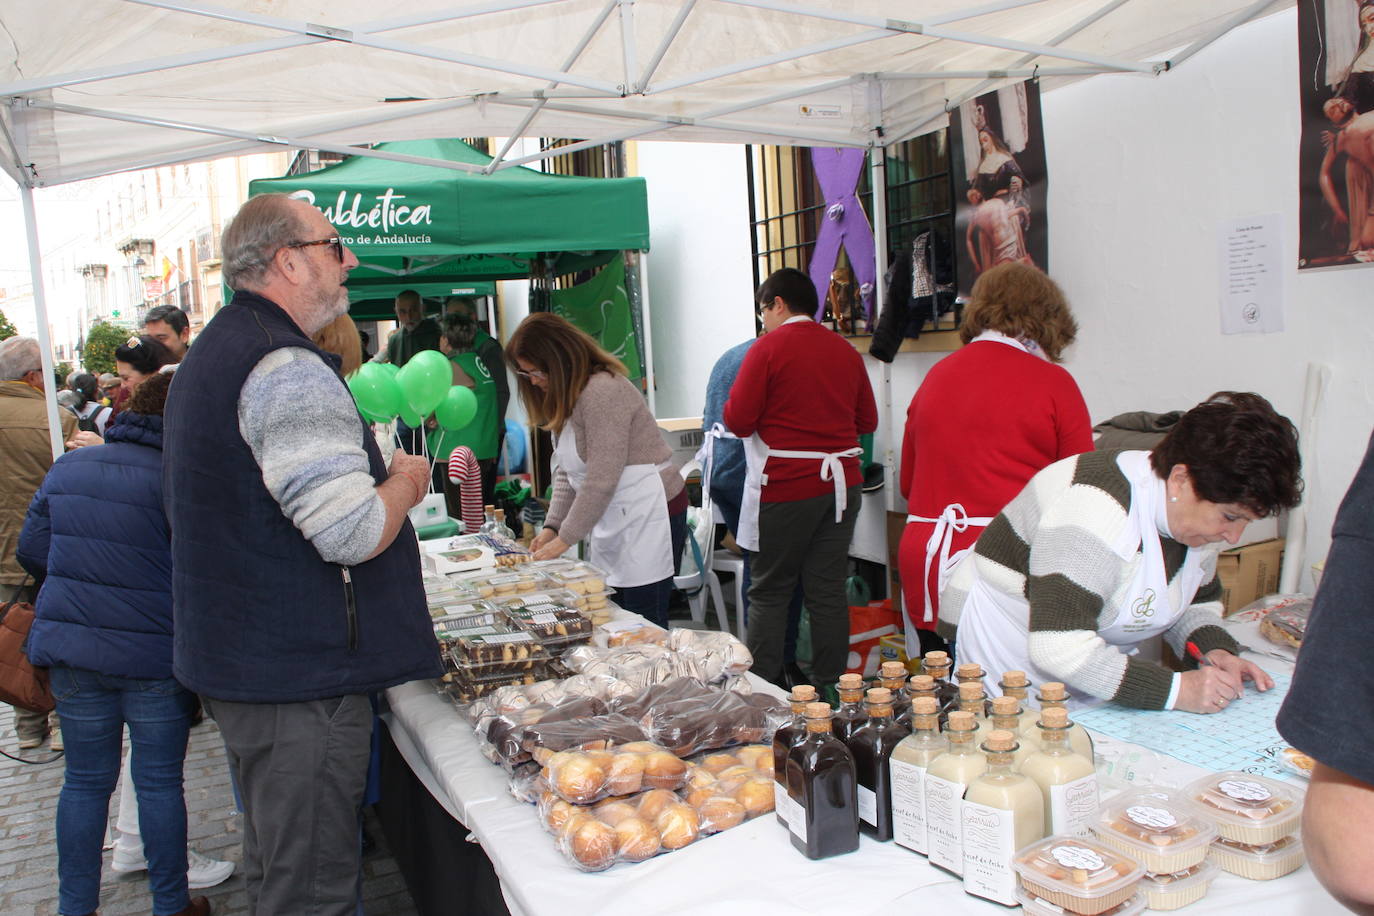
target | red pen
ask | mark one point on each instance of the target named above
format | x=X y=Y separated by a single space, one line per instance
x=1201 y=659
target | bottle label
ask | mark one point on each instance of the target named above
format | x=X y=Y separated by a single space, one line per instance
x=908 y=805
x=989 y=847
x=782 y=802
x=868 y=806
x=1152 y=817
x=1073 y=807
x=796 y=818
x=944 y=826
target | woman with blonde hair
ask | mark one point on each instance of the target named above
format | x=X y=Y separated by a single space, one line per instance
x=614 y=486
x=341 y=337
x=983 y=422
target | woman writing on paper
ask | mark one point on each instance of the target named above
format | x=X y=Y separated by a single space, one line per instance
x=983 y=422
x=614 y=486
x=1104 y=550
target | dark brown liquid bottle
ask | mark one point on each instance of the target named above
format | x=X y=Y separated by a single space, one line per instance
x=784 y=739
x=871 y=745
x=821 y=786
x=892 y=675
x=851 y=713
x=937 y=665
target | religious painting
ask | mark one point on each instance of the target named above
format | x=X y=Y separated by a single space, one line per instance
x=997 y=161
x=1336 y=155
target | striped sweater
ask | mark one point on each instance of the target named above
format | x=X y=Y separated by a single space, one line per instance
x=1052 y=547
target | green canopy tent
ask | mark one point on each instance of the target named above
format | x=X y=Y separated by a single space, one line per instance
x=438 y=230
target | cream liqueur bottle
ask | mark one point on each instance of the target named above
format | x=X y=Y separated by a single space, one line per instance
x=1002 y=812
x=1066 y=778
x=947 y=779
x=907 y=767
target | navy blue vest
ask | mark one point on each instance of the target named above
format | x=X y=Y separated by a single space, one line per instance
x=259 y=617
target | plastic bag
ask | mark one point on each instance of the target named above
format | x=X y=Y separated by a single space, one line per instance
x=709 y=656
x=630 y=829
x=583 y=777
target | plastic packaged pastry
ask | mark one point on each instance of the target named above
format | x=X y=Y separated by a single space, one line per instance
x=583 y=777
x=1248 y=809
x=1164 y=836
x=1032 y=905
x=554 y=625
x=1262 y=862
x=1179 y=889
x=1082 y=876
x=1295 y=761
x=628 y=633
x=1286 y=623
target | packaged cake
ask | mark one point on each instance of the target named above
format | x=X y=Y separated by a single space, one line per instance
x=1032 y=905
x=1177 y=889
x=1262 y=862
x=1164 y=836
x=1248 y=809
x=1082 y=876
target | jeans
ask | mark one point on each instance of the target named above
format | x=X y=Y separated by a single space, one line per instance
x=651 y=601
x=94 y=708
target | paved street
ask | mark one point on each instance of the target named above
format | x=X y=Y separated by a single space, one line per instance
x=28 y=844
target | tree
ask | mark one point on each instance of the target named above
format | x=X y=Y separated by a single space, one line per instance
x=101 y=342
x=7 y=330
x=60 y=371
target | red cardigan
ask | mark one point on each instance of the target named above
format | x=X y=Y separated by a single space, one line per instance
x=983 y=422
x=802 y=387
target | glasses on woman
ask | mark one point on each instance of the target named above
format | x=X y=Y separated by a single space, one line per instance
x=531 y=374
x=335 y=242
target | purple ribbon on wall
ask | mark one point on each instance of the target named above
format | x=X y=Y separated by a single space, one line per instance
x=844 y=225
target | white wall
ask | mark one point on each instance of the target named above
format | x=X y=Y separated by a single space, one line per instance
x=701 y=284
x=1142 y=172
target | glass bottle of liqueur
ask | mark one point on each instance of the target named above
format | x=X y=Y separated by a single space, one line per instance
x=1067 y=779
x=893 y=675
x=871 y=746
x=1007 y=715
x=1015 y=684
x=1053 y=694
x=821 y=783
x=1003 y=812
x=922 y=685
x=907 y=771
x=499 y=526
x=784 y=739
x=851 y=713
x=937 y=665
x=947 y=779
x=972 y=700
x=972 y=674
x=488 y=520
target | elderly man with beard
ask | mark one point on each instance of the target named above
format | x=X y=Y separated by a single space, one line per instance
x=295 y=574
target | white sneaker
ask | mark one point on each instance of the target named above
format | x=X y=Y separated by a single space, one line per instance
x=201 y=871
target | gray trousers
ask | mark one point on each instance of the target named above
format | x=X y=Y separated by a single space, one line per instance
x=301 y=768
x=801 y=541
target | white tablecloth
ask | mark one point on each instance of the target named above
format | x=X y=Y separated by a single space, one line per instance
x=750 y=870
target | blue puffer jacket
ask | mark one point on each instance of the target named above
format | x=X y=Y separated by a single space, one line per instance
x=97 y=530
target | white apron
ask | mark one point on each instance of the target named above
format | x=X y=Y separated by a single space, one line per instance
x=632 y=543
x=756 y=455
x=993 y=627
x=952 y=518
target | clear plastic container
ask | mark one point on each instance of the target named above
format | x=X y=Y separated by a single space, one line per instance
x=554 y=625
x=1172 y=891
x=1082 y=876
x=582 y=578
x=1166 y=837
x=1248 y=809
x=496 y=649
x=1258 y=862
x=1036 y=906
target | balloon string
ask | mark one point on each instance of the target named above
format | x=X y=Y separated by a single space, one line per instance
x=433 y=459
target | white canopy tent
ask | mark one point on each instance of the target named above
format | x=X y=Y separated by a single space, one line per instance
x=99 y=86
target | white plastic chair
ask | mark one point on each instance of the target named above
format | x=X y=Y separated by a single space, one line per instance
x=728 y=561
x=701 y=583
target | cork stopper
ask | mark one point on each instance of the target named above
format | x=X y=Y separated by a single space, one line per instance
x=1053 y=691
x=924 y=706
x=936 y=657
x=1000 y=741
x=960 y=722
x=922 y=683
x=803 y=693
x=891 y=670
x=1054 y=717
x=851 y=682
x=1005 y=706
x=879 y=696
x=1014 y=679
x=818 y=710
x=969 y=671
x=970 y=691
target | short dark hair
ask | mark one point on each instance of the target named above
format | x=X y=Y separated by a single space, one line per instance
x=84 y=384
x=1237 y=449
x=145 y=354
x=460 y=331
x=172 y=316
x=793 y=287
x=410 y=295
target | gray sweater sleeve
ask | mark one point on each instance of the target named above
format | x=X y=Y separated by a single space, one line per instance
x=304 y=433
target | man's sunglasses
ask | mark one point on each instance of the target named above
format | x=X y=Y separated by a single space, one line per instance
x=336 y=243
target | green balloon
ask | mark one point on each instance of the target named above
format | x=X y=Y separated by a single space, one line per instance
x=424 y=380
x=411 y=418
x=389 y=368
x=375 y=392
x=457 y=408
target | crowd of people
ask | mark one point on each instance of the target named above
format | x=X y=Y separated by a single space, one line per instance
x=276 y=581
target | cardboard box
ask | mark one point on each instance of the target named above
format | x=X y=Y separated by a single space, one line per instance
x=683 y=435
x=1248 y=573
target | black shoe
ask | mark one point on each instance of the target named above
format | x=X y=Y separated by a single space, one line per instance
x=792 y=675
x=873 y=478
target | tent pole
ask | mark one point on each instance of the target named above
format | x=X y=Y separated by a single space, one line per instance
x=668 y=38
x=781 y=57
x=877 y=180
x=642 y=273
x=40 y=308
x=627 y=43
